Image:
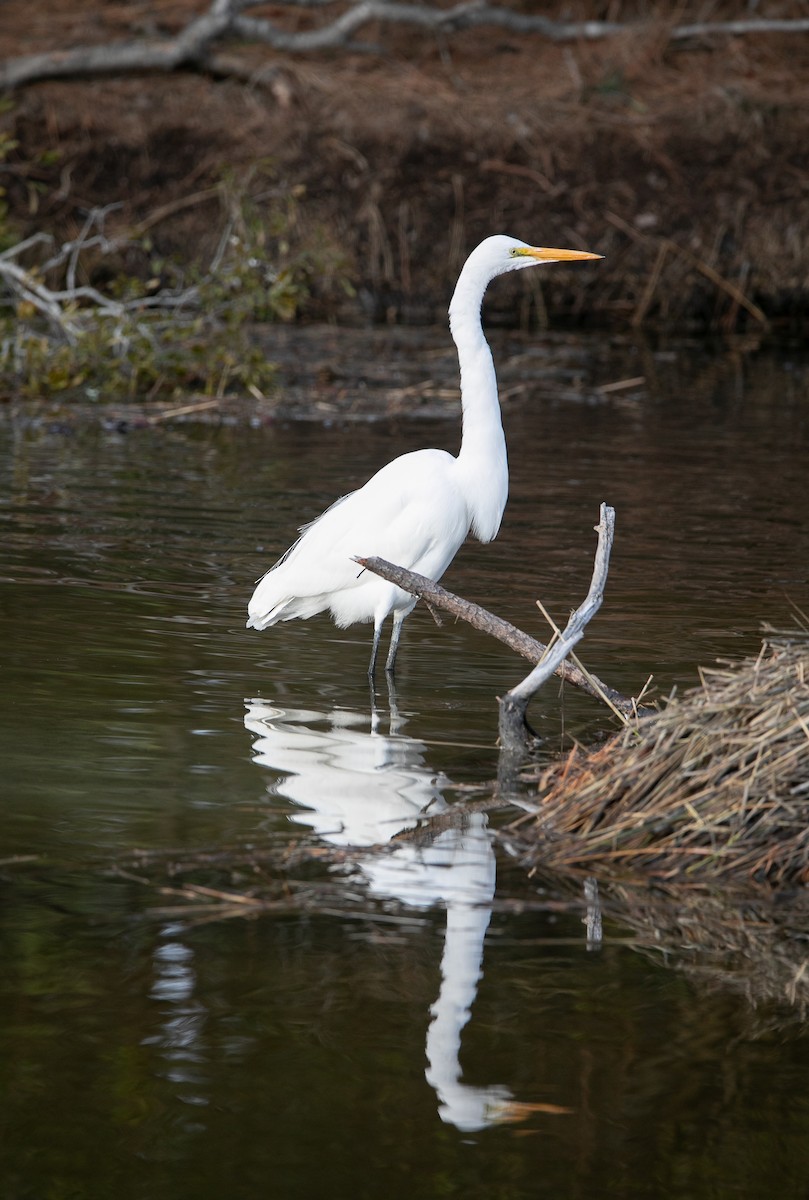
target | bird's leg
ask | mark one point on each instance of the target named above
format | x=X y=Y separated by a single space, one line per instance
x=398 y=621
x=375 y=649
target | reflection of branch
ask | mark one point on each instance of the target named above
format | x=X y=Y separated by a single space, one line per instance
x=480 y=618
x=192 y=46
x=740 y=941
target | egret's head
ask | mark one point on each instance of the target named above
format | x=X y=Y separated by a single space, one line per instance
x=514 y=255
x=495 y=256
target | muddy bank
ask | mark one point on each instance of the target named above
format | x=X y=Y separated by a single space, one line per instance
x=686 y=165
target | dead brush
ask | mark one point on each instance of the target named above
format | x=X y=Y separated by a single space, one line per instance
x=715 y=787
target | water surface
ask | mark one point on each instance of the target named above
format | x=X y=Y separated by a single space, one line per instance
x=333 y=1052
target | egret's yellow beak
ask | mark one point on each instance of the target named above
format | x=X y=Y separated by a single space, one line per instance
x=544 y=254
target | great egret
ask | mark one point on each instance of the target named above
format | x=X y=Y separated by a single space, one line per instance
x=416 y=511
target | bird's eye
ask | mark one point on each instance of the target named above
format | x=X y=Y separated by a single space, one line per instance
x=513 y=251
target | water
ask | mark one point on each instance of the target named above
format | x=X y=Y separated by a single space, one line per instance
x=328 y=1049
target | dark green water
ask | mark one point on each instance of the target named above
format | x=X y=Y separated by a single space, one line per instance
x=328 y=1054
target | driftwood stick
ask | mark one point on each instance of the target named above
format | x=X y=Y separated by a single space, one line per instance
x=480 y=618
x=514 y=731
x=435 y=596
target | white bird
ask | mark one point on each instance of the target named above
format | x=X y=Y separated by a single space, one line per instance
x=417 y=511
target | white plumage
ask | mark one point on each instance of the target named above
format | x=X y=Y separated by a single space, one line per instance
x=417 y=511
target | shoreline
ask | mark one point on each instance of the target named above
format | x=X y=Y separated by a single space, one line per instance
x=686 y=166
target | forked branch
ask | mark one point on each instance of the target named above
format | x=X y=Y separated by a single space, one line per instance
x=532 y=649
x=513 y=726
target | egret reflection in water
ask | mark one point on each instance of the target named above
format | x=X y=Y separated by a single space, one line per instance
x=359 y=787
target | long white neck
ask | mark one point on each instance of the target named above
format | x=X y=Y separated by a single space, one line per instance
x=482 y=460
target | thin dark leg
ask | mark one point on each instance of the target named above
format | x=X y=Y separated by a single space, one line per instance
x=374 y=650
x=390 y=664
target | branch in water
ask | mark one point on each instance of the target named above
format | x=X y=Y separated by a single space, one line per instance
x=514 y=730
x=480 y=618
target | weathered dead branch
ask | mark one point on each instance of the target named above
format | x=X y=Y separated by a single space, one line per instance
x=516 y=639
x=193 y=46
x=514 y=731
x=59 y=306
x=189 y=48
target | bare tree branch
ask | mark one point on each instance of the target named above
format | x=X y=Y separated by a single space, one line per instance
x=436 y=596
x=480 y=618
x=187 y=49
x=59 y=306
x=21 y=283
x=738 y=28
x=462 y=16
x=513 y=727
x=192 y=46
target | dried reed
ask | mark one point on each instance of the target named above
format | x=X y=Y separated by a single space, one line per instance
x=715 y=786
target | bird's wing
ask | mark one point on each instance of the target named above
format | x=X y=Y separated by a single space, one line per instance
x=400 y=514
x=304 y=529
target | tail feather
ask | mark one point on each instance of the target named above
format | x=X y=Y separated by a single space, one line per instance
x=257 y=620
x=269 y=604
x=305 y=578
x=268 y=601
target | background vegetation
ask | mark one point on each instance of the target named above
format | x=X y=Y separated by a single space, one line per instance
x=212 y=165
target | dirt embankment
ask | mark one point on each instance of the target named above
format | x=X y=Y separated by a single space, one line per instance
x=686 y=164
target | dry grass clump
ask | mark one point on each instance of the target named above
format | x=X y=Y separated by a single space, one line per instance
x=715 y=786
